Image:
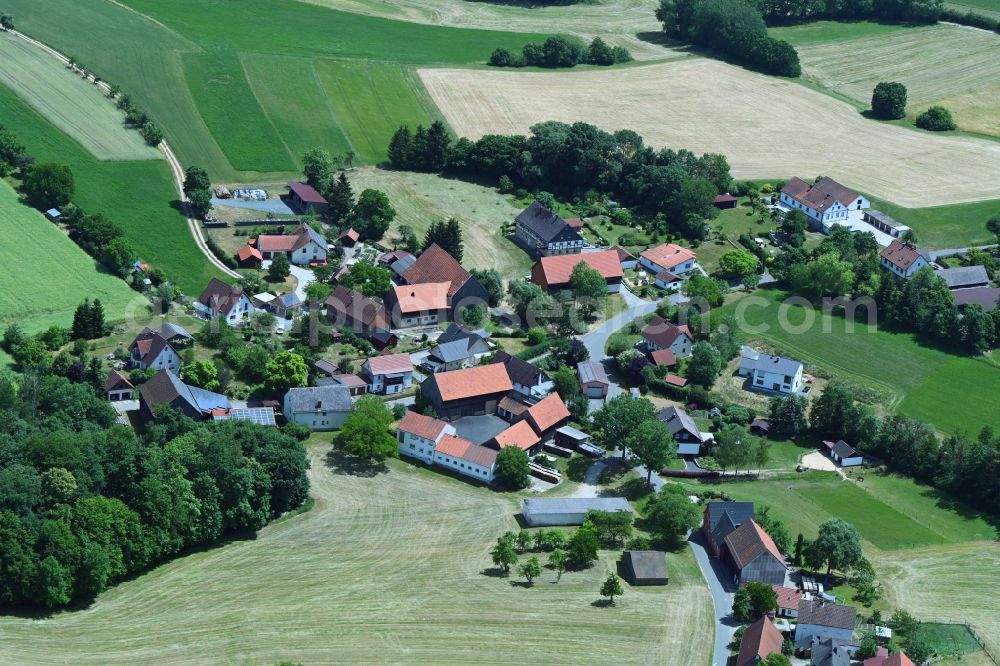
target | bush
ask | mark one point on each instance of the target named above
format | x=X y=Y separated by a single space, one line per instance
x=889 y=101
x=936 y=119
x=536 y=336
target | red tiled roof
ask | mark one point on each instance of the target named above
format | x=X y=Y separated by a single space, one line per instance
x=760 y=639
x=664 y=357
x=350 y=234
x=424 y=297
x=820 y=196
x=521 y=435
x=676 y=380
x=246 y=252
x=349 y=380
x=389 y=364
x=748 y=541
x=355 y=306
x=450 y=445
x=788 y=597
x=663 y=333
x=472 y=382
x=435 y=265
x=668 y=256
x=421 y=426
x=898 y=659
x=289 y=242
x=548 y=412
x=879 y=658
x=306 y=192
x=623 y=254
x=555 y=271
x=574 y=223
x=511 y=405
x=115 y=380
x=900 y=255
x=725 y=198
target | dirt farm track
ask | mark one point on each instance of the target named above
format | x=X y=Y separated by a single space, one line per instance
x=767 y=127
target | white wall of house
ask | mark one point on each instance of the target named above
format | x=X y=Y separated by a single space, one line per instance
x=465 y=467
x=395 y=382
x=166 y=359
x=418 y=320
x=539 y=390
x=629 y=264
x=416 y=447
x=317 y=420
x=895 y=270
x=678 y=270
x=307 y=253
x=852 y=461
x=120 y=394
x=774 y=382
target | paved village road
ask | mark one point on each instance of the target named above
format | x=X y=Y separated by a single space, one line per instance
x=722 y=597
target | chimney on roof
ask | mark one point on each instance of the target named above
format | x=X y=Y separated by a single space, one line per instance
x=319 y=403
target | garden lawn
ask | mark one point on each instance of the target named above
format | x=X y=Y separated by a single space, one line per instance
x=65 y=99
x=139 y=195
x=46 y=275
x=923 y=382
x=351 y=559
x=192 y=64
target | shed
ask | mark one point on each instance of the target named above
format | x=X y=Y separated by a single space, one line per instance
x=724 y=201
x=349 y=238
x=645 y=567
x=305 y=198
x=571 y=438
x=593 y=379
x=760 y=427
x=53 y=214
x=568 y=510
x=843 y=453
x=249 y=257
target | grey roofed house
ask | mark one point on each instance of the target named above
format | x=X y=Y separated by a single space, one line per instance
x=779 y=365
x=175 y=334
x=568 y=510
x=831 y=652
x=289 y=300
x=456 y=332
x=988 y=297
x=325 y=367
x=330 y=398
x=449 y=352
x=166 y=389
x=964 y=277
x=826 y=614
x=884 y=219
x=645 y=567
x=520 y=371
x=546 y=225
x=679 y=423
x=843 y=450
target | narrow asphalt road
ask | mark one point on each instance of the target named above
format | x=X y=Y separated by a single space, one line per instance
x=722 y=589
x=937 y=254
x=596 y=339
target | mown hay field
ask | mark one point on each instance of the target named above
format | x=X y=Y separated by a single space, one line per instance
x=138 y=195
x=420 y=199
x=628 y=23
x=45 y=275
x=386 y=568
x=73 y=105
x=957 y=67
x=767 y=127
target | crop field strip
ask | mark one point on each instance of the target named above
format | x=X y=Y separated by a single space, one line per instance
x=920 y=381
x=67 y=101
x=351 y=561
x=136 y=194
x=667 y=104
x=958 y=67
x=46 y=275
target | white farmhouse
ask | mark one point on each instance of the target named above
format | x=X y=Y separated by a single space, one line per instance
x=417 y=435
x=434 y=442
x=826 y=203
x=224 y=301
x=318 y=407
x=902 y=260
x=771 y=373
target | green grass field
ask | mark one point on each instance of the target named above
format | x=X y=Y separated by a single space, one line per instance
x=386 y=568
x=821 y=32
x=939 y=227
x=75 y=106
x=139 y=195
x=46 y=275
x=182 y=62
x=919 y=381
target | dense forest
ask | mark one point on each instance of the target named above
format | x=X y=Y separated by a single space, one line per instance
x=85 y=502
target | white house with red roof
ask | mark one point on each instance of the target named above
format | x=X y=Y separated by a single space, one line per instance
x=224 y=301
x=902 y=260
x=417 y=435
x=661 y=334
x=303 y=247
x=670 y=264
x=151 y=351
x=434 y=442
x=824 y=203
x=388 y=374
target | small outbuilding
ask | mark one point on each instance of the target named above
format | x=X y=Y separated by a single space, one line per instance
x=645 y=567
x=249 y=257
x=349 y=238
x=725 y=201
x=593 y=379
x=305 y=198
x=53 y=214
x=568 y=510
x=843 y=453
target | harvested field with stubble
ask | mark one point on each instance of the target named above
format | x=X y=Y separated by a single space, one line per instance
x=421 y=198
x=386 y=568
x=618 y=22
x=957 y=67
x=766 y=126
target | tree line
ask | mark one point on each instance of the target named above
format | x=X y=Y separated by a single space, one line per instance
x=735 y=29
x=561 y=52
x=675 y=187
x=85 y=502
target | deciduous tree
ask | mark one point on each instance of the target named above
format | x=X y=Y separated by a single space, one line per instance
x=365 y=433
x=611 y=588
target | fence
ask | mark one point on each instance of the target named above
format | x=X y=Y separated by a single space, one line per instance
x=251 y=223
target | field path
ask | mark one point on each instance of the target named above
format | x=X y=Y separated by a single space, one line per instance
x=767 y=127
x=175 y=167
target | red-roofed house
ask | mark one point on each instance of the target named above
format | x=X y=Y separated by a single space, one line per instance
x=435 y=265
x=898 y=659
x=422 y=304
x=676 y=380
x=724 y=201
x=305 y=198
x=151 y=351
x=249 y=257
x=663 y=358
x=227 y=302
x=625 y=258
x=356 y=385
x=788 y=600
x=662 y=334
x=879 y=659
x=752 y=556
x=760 y=640
x=461 y=455
x=824 y=204
x=902 y=260
x=668 y=257
x=303 y=247
x=349 y=238
x=118 y=387
x=417 y=435
x=468 y=392
x=388 y=374
x=553 y=273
